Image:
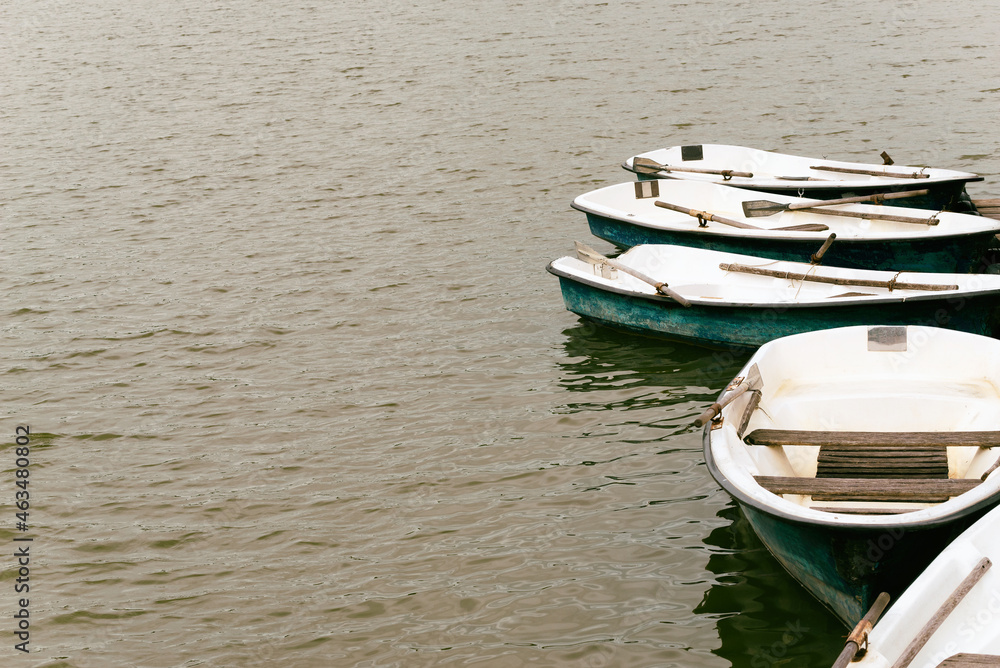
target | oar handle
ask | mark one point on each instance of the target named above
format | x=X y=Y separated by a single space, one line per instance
x=872 y=172
x=660 y=286
x=817 y=278
x=876 y=198
x=705 y=215
x=709 y=413
x=873 y=216
x=817 y=257
x=859 y=636
x=727 y=173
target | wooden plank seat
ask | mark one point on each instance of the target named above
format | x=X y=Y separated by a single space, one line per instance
x=862 y=462
x=970 y=661
x=865 y=454
x=846 y=510
x=877 y=439
x=853 y=489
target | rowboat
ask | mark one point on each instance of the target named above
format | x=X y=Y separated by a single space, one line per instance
x=744 y=301
x=948 y=616
x=797 y=175
x=736 y=220
x=858 y=453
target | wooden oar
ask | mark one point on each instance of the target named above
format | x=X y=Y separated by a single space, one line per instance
x=651 y=167
x=816 y=278
x=590 y=255
x=702 y=216
x=735 y=389
x=756 y=208
x=717 y=407
x=872 y=172
x=859 y=636
x=942 y=613
x=647 y=166
x=874 y=216
x=705 y=215
x=817 y=257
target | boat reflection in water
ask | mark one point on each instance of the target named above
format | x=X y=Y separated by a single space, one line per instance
x=599 y=357
x=654 y=388
x=764 y=617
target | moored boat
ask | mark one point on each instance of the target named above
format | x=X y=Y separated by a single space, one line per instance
x=858 y=453
x=819 y=178
x=723 y=218
x=948 y=616
x=745 y=301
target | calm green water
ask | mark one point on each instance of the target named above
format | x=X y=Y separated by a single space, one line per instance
x=302 y=394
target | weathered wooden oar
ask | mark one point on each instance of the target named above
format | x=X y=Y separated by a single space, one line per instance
x=735 y=389
x=859 y=636
x=716 y=408
x=756 y=208
x=647 y=166
x=942 y=613
x=816 y=278
x=588 y=254
x=874 y=216
x=817 y=257
x=703 y=216
x=872 y=172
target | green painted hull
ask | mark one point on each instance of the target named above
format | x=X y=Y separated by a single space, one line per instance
x=751 y=327
x=952 y=254
x=846 y=568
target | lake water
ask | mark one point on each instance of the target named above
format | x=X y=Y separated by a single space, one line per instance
x=301 y=392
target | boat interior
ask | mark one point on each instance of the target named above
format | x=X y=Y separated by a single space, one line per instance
x=711 y=275
x=691 y=205
x=871 y=439
x=771 y=165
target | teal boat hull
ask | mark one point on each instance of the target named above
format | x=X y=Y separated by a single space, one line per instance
x=846 y=568
x=960 y=253
x=750 y=326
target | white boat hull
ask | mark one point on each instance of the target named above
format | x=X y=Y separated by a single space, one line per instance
x=812 y=177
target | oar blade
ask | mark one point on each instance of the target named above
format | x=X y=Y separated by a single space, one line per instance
x=646 y=166
x=757 y=208
x=587 y=253
x=806 y=227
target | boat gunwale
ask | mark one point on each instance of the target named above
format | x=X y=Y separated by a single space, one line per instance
x=772 y=184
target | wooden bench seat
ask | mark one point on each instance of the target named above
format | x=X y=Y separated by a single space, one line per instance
x=854 y=489
x=864 y=511
x=873 y=462
x=970 y=661
x=877 y=439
